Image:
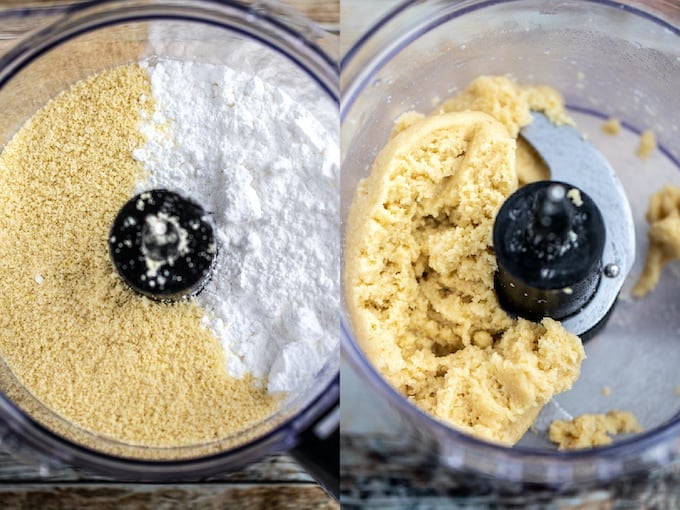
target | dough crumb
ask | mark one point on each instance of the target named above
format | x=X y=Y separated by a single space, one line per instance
x=589 y=430
x=677 y=390
x=647 y=145
x=663 y=216
x=612 y=126
x=575 y=195
x=606 y=391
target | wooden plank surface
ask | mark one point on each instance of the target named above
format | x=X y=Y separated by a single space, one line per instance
x=278 y=469
x=323 y=12
x=112 y=496
x=326 y=13
x=391 y=472
x=275 y=482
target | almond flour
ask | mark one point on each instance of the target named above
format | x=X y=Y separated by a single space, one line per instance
x=99 y=355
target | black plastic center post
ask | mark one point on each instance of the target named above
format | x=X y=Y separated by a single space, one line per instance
x=548 y=237
x=162 y=245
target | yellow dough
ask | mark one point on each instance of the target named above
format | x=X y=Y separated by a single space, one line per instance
x=612 y=126
x=419 y=266
x=647 y=145
x=589 y=430
x=663 y=216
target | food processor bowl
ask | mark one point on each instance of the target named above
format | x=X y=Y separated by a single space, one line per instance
x=609 y=59
x=46 y=49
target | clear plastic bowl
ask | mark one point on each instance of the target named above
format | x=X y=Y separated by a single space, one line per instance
x=47 y=48
x=609 y=59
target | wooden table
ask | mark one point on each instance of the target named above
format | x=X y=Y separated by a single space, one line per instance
x=274 y=483
x=277 y=482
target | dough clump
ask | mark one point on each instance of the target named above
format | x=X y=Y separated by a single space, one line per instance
x=647 y=145
x=419 y=266
x=663 y=216
x=589 y=430
x=612 y=126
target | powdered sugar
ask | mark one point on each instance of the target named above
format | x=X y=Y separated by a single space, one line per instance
x=267 y=172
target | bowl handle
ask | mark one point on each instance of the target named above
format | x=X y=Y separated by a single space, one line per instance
x=318 y=450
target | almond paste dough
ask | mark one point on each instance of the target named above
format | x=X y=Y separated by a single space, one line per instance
x=663 y=216
x=419 y=265
x=589 y=430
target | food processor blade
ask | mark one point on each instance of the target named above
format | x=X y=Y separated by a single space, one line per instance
x=575 y=162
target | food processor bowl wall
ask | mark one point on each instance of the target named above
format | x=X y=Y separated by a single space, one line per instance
x=52 y=48
x=622 y=58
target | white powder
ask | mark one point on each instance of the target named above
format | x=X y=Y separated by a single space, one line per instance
x=267 y=172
